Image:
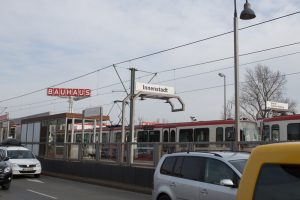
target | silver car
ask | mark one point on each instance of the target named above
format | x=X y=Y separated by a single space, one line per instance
x=195 y=175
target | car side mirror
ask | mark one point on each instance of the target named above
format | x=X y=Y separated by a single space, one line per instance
x=227 y=182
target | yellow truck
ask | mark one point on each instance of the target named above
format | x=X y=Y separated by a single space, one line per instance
x=272 y=173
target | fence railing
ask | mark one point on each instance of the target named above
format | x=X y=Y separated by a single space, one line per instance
x=147 y=154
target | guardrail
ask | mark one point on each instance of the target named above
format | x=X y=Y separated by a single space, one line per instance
x=146 y=154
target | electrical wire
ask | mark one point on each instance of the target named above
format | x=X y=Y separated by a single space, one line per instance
x=182 y=77
x=225 y=68
x=148 y=55
x=168 y=80
x=231 y=84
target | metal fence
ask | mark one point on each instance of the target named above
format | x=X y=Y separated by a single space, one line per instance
x=146 y=154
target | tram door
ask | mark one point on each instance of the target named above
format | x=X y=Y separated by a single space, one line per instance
x=168 y=137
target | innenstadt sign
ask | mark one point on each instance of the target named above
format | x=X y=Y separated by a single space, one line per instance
x=159 y=89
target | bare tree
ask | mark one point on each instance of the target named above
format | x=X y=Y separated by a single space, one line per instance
x=262 y=85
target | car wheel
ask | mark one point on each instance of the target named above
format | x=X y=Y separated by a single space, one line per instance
x=164 y=197
x=37 y=175
x=5 y=187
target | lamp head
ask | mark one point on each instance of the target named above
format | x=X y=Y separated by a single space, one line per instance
x=221 y=75
x=247 y=13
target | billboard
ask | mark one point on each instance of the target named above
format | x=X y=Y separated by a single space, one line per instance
x=92 y=112
x=277 y=105
x=67 y=92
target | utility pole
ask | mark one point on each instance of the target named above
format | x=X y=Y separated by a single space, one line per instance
x=132 y=113
x=132 y=104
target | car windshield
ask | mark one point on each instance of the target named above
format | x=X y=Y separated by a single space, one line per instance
x=239 y=164
x=19 y=154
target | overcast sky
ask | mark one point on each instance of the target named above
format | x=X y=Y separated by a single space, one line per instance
x=44 y=43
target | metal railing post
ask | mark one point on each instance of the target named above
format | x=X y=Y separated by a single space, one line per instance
x=97 y=151
x=80 y=151
x=156 y=154
x=129 y=144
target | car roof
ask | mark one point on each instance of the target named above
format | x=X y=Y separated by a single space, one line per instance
x=287 y=152
x=15 y=148
x=215 y=154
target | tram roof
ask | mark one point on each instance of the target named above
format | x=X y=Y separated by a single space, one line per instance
x=283 y=118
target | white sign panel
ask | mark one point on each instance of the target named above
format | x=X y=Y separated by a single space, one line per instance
x=159 y=89
x=277 y=105
x=92 y=112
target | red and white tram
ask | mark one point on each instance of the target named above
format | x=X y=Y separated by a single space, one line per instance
x=200 y=131
x=281 y=128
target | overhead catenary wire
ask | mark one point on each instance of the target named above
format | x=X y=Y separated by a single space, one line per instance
x=230 y=84
x=224 y=68
x=182 y=77
x=214 y=61
x=148 y=55
x=181 y=92
x=178 y=78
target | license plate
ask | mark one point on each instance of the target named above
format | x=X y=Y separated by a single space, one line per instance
x=27 y=169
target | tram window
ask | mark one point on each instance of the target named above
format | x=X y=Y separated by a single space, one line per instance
x=219 y=134
x=78 y=138
x=118 y=136
x=60 y=138
x=104 y=138
x=275 y=134
x=172 y=136
x=266 y=133
x=86 y=138
x=293 y=131
x=166 y=136
x=154 y=136
x=201 y=135
x=242 y=135
x=142 y=136
x=229 y=134
x=186 y=135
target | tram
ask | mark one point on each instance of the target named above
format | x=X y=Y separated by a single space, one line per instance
x=200 y=131
x=281 y=128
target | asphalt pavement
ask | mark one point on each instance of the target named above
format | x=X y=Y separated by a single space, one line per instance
x=49 y=188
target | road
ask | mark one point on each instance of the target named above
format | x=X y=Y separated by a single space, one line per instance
x=49 y=188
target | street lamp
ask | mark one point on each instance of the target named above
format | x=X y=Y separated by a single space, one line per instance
x=246 y=14
x=223 y=75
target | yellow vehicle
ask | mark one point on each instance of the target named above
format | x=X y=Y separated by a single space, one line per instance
x=272 y=173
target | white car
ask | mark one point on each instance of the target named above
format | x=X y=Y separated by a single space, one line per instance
x=195 y=175
x=22 y=160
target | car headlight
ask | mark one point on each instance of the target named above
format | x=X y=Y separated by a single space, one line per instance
x=38 y=164
x=7 y=169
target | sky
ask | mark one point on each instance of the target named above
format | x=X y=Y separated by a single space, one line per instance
x=47 y=43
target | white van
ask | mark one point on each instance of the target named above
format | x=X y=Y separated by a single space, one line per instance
x=195 y=175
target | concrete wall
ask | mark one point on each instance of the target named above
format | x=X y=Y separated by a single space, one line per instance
x=136 y=179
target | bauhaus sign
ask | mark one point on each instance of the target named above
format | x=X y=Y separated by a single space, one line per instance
x=67 y=92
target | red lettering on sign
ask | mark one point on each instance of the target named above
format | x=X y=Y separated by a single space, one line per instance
x=65 y=92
